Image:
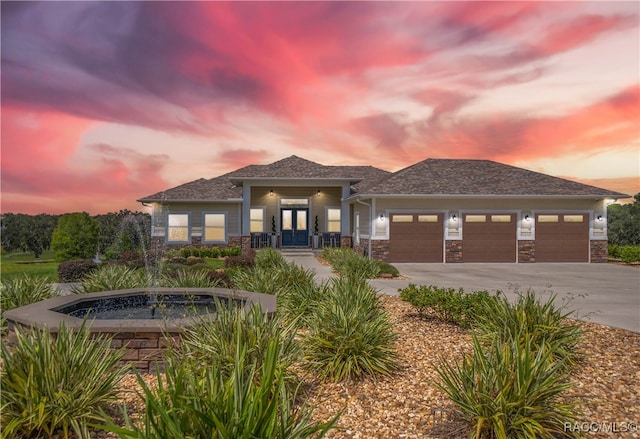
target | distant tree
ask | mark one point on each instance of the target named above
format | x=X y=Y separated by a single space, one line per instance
x=624 y=223
x=123 y=231
x=75 y=237
x=28 y=232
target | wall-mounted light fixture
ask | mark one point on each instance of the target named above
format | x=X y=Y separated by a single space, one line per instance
x=381 y=217
x=527 y=218
x=454 y=218
x=599 y=218
x=318 y=193
x=271 y=193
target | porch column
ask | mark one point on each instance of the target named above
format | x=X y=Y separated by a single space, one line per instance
x=345 y=220
x=246 y=210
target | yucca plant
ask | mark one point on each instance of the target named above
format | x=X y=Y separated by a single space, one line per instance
x=214 y=340
x=510 y=390
x=190 y=279
x=112 y=277
x=24 y=290
x=545 y=324
x=56 y=384
x=250 y=400
x=298 y=303
x=350 y=264
x=350 y=336
x=271 y=279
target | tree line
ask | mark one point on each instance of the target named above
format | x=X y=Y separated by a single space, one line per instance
x=76 y=235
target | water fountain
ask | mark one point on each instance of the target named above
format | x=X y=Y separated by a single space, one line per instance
x=143 y=320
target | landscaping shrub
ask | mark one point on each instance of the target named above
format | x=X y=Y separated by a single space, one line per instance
x=24 y=290
x=347 y=262
x=350 y=336
x=52 y=385
x=75 y=269
x=509 y=390
x=193 y=260
x=241 y=261
x=230 y=251
x=386 y=268
x=112 y=277
x=626 y=253
x=630 y=253
x=447 y=304
x=543 y=324
x=133 y=259
x=215 y=341
x=190 y=279
x=246 y=398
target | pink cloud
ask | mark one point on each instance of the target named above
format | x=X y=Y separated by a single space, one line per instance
x=38 y=151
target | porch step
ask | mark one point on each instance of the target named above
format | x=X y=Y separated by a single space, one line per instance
x=297 y=252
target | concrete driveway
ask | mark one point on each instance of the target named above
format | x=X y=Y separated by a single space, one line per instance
x=601 y=293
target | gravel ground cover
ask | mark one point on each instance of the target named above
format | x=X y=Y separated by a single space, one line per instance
x=409 y=405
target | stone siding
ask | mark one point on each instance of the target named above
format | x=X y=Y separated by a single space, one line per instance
x=362 y=248
x=599 y=251
x=453 y=251
x=380 y=250
x=526 y=251
x=144 y=350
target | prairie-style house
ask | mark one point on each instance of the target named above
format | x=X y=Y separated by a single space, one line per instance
x=437 y=210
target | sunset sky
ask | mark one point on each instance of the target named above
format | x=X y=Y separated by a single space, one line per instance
x=107 y=102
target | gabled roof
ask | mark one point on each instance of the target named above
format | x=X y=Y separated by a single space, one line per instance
x=215 y=189
x=477 y=178
x=295 y=167
x=228 y=186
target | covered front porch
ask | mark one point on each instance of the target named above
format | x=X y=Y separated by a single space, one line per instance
x=295 y=214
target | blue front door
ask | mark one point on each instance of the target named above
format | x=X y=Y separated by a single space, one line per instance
x=295 y=227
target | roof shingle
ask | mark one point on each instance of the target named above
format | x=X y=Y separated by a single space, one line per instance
x=478 y=177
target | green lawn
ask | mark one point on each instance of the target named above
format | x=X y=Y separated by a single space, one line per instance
x=14 y=264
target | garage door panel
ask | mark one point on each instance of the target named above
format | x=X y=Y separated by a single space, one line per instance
x=416 y=241
x=489 y=238
x=562 y=238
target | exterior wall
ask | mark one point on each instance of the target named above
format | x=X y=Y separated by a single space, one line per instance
x=599 y=251
x=196 y=212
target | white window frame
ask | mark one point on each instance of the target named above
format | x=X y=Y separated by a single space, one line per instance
x=224 y=227
x=169 y=228
x=327 y=221
x=264 y=219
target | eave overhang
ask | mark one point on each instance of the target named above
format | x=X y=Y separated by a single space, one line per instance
x=486 y=196
x=287 y=181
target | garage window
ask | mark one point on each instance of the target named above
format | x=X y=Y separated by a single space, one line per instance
x=402 y=218
x=476 y=218
x=573 y=218
x=427 y=218
x=547 y=218
x=500 y=218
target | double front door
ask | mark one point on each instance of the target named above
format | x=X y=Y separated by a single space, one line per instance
x=295 y=227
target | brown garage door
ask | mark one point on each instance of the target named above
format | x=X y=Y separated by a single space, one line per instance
x=416 y=237
x=562 y=237
x=489 y=237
